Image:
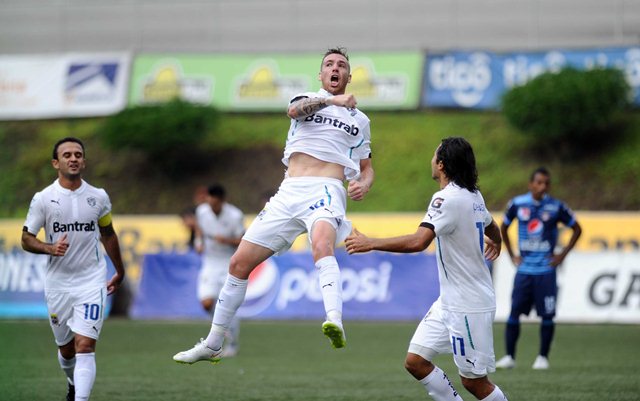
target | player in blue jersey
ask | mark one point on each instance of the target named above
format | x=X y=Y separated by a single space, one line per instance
x=538 y=216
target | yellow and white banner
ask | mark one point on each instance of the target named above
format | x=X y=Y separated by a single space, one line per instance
x=140 y=235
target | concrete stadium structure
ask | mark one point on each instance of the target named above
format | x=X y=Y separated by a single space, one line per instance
x=249 y=26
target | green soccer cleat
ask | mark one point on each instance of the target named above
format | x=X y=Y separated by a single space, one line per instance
x=335 y=333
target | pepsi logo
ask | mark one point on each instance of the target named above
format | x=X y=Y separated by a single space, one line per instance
x=262 y=289
x=535 y=226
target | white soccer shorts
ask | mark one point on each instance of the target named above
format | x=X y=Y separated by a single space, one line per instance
x=298 y=204
x=469 y=336
x=80 y=312
x=212 y=276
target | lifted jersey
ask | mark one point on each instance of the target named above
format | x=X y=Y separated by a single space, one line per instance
x=75 y=213
x=537 y=229
x=458 y=217
x=334 y=134
x=229 y=223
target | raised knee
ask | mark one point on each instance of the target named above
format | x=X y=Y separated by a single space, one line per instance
x=239 y=268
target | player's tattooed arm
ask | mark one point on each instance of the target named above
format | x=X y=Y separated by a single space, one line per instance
x=306 y=106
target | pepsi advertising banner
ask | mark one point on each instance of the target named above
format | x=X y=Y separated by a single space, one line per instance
x=477 y=80
x=376 y=286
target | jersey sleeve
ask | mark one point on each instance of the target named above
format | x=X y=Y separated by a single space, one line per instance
x=566 y=215
x=440 y=215
x=35 y=216
x=106 y=205
x=363 y=150
x=510 y=213
x=302 y=96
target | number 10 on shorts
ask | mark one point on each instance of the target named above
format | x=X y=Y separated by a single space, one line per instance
x=460 y=345
x=91 y=311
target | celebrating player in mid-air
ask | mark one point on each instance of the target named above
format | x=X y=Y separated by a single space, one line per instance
x=460 y=320
x=328 y=142
x=76 y=217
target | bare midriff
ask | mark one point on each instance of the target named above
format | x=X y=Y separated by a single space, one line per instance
x=304 y=165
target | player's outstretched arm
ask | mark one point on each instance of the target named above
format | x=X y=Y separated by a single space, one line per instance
x=109 y=239
x=416 y=242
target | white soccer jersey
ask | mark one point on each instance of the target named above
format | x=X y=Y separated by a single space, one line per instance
x=459 y=218
x=75 y=213
x=229 y=223
x=334 y=134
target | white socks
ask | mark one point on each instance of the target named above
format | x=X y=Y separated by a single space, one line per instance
x=67 y=365
x=496 y=395
x=230 y=298
x=330 y=285
x=439 y=387
x=84 y=375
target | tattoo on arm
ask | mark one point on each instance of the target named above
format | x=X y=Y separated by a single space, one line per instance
x=306 y=107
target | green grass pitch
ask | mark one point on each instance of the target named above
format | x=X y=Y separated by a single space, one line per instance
x=283 y=361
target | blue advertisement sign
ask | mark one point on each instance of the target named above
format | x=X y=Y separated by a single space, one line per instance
x=22 y=276
x=376 y=286
x=167 y=288
x=462 y=79
x=477 y=80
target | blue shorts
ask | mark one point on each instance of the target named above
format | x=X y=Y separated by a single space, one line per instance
x=539 y=290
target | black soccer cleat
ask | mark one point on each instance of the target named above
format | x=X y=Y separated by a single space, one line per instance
x=71 y=392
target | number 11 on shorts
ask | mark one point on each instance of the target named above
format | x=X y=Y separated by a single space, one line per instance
x=460 y=341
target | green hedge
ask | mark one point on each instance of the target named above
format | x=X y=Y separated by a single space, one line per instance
x=569 y=107
x=163 y=132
